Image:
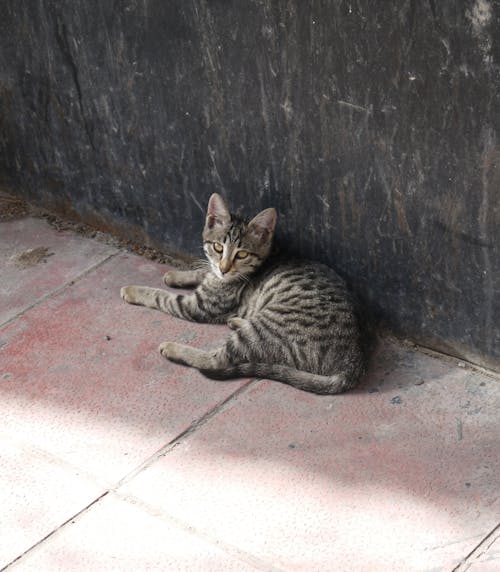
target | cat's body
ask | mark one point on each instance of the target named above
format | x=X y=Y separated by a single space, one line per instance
x=293 y=320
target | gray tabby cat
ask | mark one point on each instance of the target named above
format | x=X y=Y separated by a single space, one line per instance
x=293 y=320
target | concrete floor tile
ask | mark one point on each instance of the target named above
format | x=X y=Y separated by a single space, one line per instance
x=81 y=375
x=37 y=495
x=485 y=566
x=28 y=279
x=114 y=535
x=400 y=474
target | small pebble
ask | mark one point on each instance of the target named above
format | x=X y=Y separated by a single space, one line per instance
x=461 y=364
x=107 y=338
x=396 y=400
x=418 y=382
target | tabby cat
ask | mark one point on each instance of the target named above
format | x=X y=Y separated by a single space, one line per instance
x=293 y=320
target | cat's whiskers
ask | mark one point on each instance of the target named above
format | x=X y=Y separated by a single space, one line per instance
x=201 y=264
x=243 y=277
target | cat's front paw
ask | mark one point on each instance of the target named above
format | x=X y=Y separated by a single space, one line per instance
x=129 y=294
x=170 y=278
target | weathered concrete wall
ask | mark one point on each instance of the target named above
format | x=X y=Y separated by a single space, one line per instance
x=372 y=127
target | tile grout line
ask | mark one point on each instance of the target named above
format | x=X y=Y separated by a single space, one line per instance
x=193 y=427
x=229 y=549
x=53 y=532
x=53 y=458
x=59 y=290
x=481 y=548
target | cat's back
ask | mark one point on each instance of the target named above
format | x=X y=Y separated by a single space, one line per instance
x=303 y=293
x=289 y=280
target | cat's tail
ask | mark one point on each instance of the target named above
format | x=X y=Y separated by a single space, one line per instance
x=321 y=384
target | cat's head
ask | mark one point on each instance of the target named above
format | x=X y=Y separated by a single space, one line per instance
x=235 y=248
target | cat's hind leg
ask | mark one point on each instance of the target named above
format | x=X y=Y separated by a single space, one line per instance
x=233 y=351
x=193 y=357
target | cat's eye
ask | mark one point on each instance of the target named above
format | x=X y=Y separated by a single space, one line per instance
x=218 y=247
x=241 y=254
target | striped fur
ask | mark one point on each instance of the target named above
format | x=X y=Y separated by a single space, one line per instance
x=293 y=321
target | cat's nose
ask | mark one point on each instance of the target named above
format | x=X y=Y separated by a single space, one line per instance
x=224 y=266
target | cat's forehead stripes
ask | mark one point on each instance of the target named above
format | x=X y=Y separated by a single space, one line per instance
x=234 y=234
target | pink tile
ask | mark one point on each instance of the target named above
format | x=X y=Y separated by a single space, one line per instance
x=81 y=375
x=396 y=475
x=37 y=495
x=70 y=256
x=116 y=535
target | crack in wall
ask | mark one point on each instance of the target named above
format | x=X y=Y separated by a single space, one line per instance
x=61 y=35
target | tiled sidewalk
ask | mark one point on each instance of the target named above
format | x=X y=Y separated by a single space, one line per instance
x=112 y=458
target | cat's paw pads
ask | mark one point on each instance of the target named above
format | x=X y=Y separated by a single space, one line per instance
x=170 y=278
x=128 y=293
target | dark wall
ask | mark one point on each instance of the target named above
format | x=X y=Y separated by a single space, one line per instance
x=372 y=127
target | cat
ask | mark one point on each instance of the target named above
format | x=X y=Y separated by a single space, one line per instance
x=293 y=320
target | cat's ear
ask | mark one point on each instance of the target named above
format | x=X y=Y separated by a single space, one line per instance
x=262 y=226
x=217 y=211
